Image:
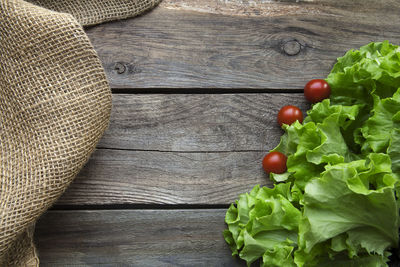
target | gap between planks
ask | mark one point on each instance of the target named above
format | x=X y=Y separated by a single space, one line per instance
x=211 y=91
x=183 y=151
x=142 y=207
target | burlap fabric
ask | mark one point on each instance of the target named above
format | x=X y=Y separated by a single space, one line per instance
x=55 y=104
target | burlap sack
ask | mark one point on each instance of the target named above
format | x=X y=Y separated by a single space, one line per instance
x=54 y=106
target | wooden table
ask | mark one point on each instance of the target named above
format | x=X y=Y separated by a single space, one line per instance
x=197 y=86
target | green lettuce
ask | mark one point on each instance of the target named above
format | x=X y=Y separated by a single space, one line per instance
x=338 y=202
x=264 y=223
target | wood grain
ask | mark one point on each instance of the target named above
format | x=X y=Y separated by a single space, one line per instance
x=200 y=149
x=151 y=177
x=239 y=44
x=197 y=122
x=266 y=8
x=133 y=238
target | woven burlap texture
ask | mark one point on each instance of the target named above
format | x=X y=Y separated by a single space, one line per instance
x=55 y=104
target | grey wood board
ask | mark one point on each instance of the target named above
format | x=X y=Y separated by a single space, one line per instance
x=197 y=149
x=133 y=238
x=197 y=122
x=238 y=44
x=150 y=177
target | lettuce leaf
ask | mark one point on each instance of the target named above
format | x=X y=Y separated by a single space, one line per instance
x=263 y=223
x=338 y=202
x=342 y=201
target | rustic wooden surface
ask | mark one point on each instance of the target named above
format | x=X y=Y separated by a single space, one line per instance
x=239 y=44
x=197 y=122
x=197 y=85
x=126 y=177
x=181 y=149
x=134 y=238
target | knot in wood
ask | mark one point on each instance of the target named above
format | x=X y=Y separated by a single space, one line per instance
x=119 y=67
x=291 y=48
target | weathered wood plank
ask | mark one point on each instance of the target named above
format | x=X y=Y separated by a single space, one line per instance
x=265 y=8
x=150 y=177
x=181 y=149
x=239 y=44
x=197 y=122
x=133 y=238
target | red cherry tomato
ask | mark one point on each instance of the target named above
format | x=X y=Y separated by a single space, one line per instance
x=317 y=90
x=274 y=162
x=289 y=114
